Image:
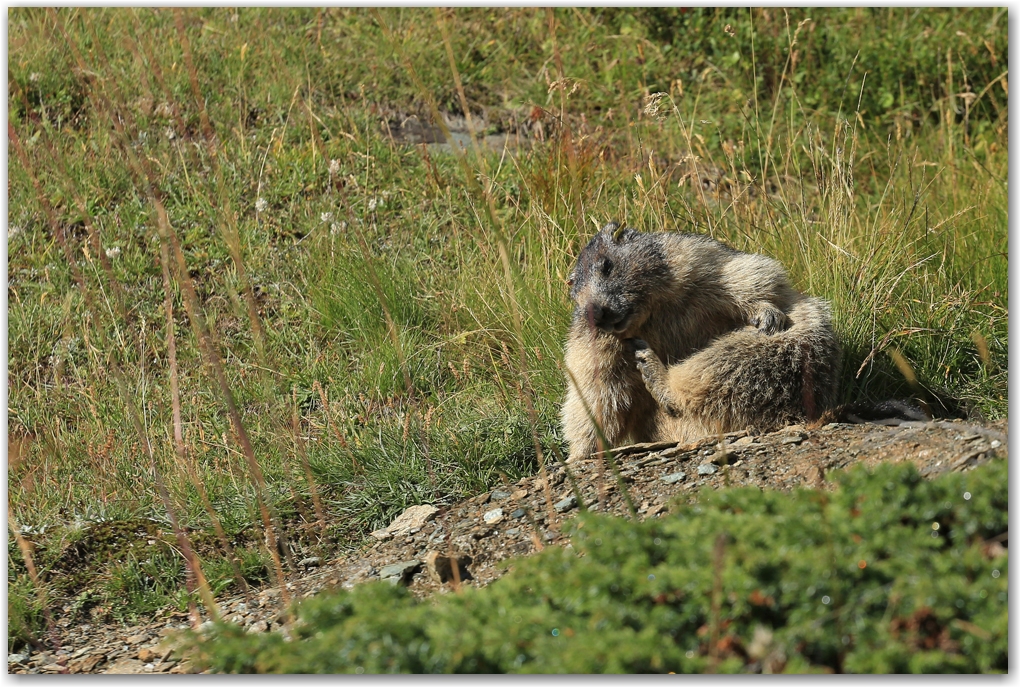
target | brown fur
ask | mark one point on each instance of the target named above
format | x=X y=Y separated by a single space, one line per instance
x=677 y=336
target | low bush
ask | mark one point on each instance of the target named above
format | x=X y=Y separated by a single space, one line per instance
x=887 y=573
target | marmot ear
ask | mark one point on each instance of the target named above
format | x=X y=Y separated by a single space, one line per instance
x=611 y=228
x=624 y=234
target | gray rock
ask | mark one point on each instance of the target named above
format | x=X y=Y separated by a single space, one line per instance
x=513 y=532
x=494 y=516
x=707 y=469
x=499 y=495
x=566 y=504
x=517 y=514
x=674 y=478
x=260 y=626
x=400 y=572
x=310 y=562
x=17 y=658
x=793 y=439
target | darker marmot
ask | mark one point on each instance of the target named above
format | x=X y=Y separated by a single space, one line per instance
x=677 y=336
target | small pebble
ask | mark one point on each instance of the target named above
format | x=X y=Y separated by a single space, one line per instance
x=995 y=443
x=674 y=478
x=494 y=516
x=566 y=504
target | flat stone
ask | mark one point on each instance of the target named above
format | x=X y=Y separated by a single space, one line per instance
x=494 y=516
x=521 y=493
x=310 y=562
x=257 y=627
x=673 y=478
x=517 y=514
x=125 y=666
x=414 y=516
x=381 y=535
x=147 y=655
x=500 y=495
x=566 y=504
x=400 y=572
x=707 y=469
x=87 y=664
x=513 y=532
x=17 y=658
x=795 y=439
x=641 y=448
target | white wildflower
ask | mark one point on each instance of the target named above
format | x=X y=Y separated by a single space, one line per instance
x=13 y=230
x=326 y=217
x=334 y=168
x=33 y=77
x=335 y=229
x=261 y=205
x=170 y=133
x=373 y=203
x=113 y=252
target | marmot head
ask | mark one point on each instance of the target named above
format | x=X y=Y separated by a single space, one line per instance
x=617 y=278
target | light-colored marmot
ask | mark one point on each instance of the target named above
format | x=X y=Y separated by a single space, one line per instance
x=677 y=336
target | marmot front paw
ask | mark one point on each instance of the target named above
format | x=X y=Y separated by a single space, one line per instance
x=770 y=320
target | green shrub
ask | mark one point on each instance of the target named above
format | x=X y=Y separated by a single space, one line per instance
x=888 y=573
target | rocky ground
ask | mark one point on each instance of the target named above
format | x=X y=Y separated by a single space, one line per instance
x=435 y=550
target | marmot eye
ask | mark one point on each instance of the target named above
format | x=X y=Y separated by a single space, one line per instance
x=607 y=266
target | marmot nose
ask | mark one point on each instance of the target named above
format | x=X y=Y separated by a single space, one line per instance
x=601 y=316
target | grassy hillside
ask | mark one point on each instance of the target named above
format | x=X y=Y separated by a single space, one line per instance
x=360 y=323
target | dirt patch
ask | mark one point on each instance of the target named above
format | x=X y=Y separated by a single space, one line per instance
x=476 y=536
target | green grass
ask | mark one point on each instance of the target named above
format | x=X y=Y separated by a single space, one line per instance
x=376 y=269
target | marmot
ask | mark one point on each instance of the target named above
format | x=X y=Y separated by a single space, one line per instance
x=678 y=336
